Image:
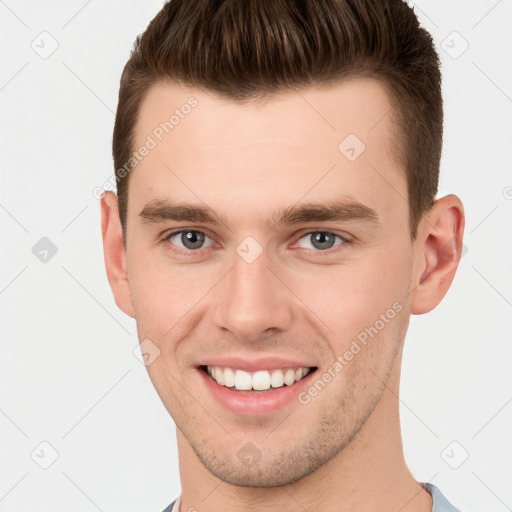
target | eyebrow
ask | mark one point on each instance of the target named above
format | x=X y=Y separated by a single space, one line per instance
x=157 y=211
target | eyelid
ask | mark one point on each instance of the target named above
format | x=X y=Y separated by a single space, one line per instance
x=167 y=234
x=308 y=231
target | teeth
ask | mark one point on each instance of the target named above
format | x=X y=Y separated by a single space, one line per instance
x=277 y=379
x=289 y=377
x=243 y=380
x=259 y=381
x=229 y=377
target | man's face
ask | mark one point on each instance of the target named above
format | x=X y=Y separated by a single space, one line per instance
x=259 y=292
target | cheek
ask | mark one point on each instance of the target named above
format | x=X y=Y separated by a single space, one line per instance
x=346 y=299
x=164 y=295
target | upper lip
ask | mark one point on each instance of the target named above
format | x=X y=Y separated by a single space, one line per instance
x=254 y=364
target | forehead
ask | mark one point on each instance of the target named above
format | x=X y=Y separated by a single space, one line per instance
x=360 y=105
x=320 y=142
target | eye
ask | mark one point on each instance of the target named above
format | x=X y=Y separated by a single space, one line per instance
x=189 y=239
x=322 y=240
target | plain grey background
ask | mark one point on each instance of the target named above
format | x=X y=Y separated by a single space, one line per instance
x=81 y=427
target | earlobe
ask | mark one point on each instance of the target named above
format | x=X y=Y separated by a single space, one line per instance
x=438 y=253
x=114 y=253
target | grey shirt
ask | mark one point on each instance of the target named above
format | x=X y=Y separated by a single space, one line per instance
x=440 y=503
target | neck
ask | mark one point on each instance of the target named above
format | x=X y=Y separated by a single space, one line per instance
x=370 y=474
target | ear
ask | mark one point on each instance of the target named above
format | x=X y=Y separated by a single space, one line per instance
x=115 y=253
x=438 y=249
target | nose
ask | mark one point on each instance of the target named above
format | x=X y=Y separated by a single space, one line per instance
x=252 y=302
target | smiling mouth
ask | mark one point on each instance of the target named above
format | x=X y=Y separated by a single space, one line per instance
x=261 y=381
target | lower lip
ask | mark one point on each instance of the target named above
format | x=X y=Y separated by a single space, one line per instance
x=254 y=403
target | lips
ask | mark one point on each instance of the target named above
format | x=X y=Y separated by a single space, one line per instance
x=250 y=401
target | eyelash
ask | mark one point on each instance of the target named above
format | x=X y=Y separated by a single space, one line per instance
x=190 y=252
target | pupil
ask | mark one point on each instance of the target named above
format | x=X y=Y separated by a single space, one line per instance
x=322 y=240
x=192 y=239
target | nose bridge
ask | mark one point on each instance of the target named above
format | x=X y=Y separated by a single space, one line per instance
x=252 y=300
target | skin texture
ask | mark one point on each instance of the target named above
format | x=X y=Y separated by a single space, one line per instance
x=342 y=450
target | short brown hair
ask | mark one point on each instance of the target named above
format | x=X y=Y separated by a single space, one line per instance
x=249 y=49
